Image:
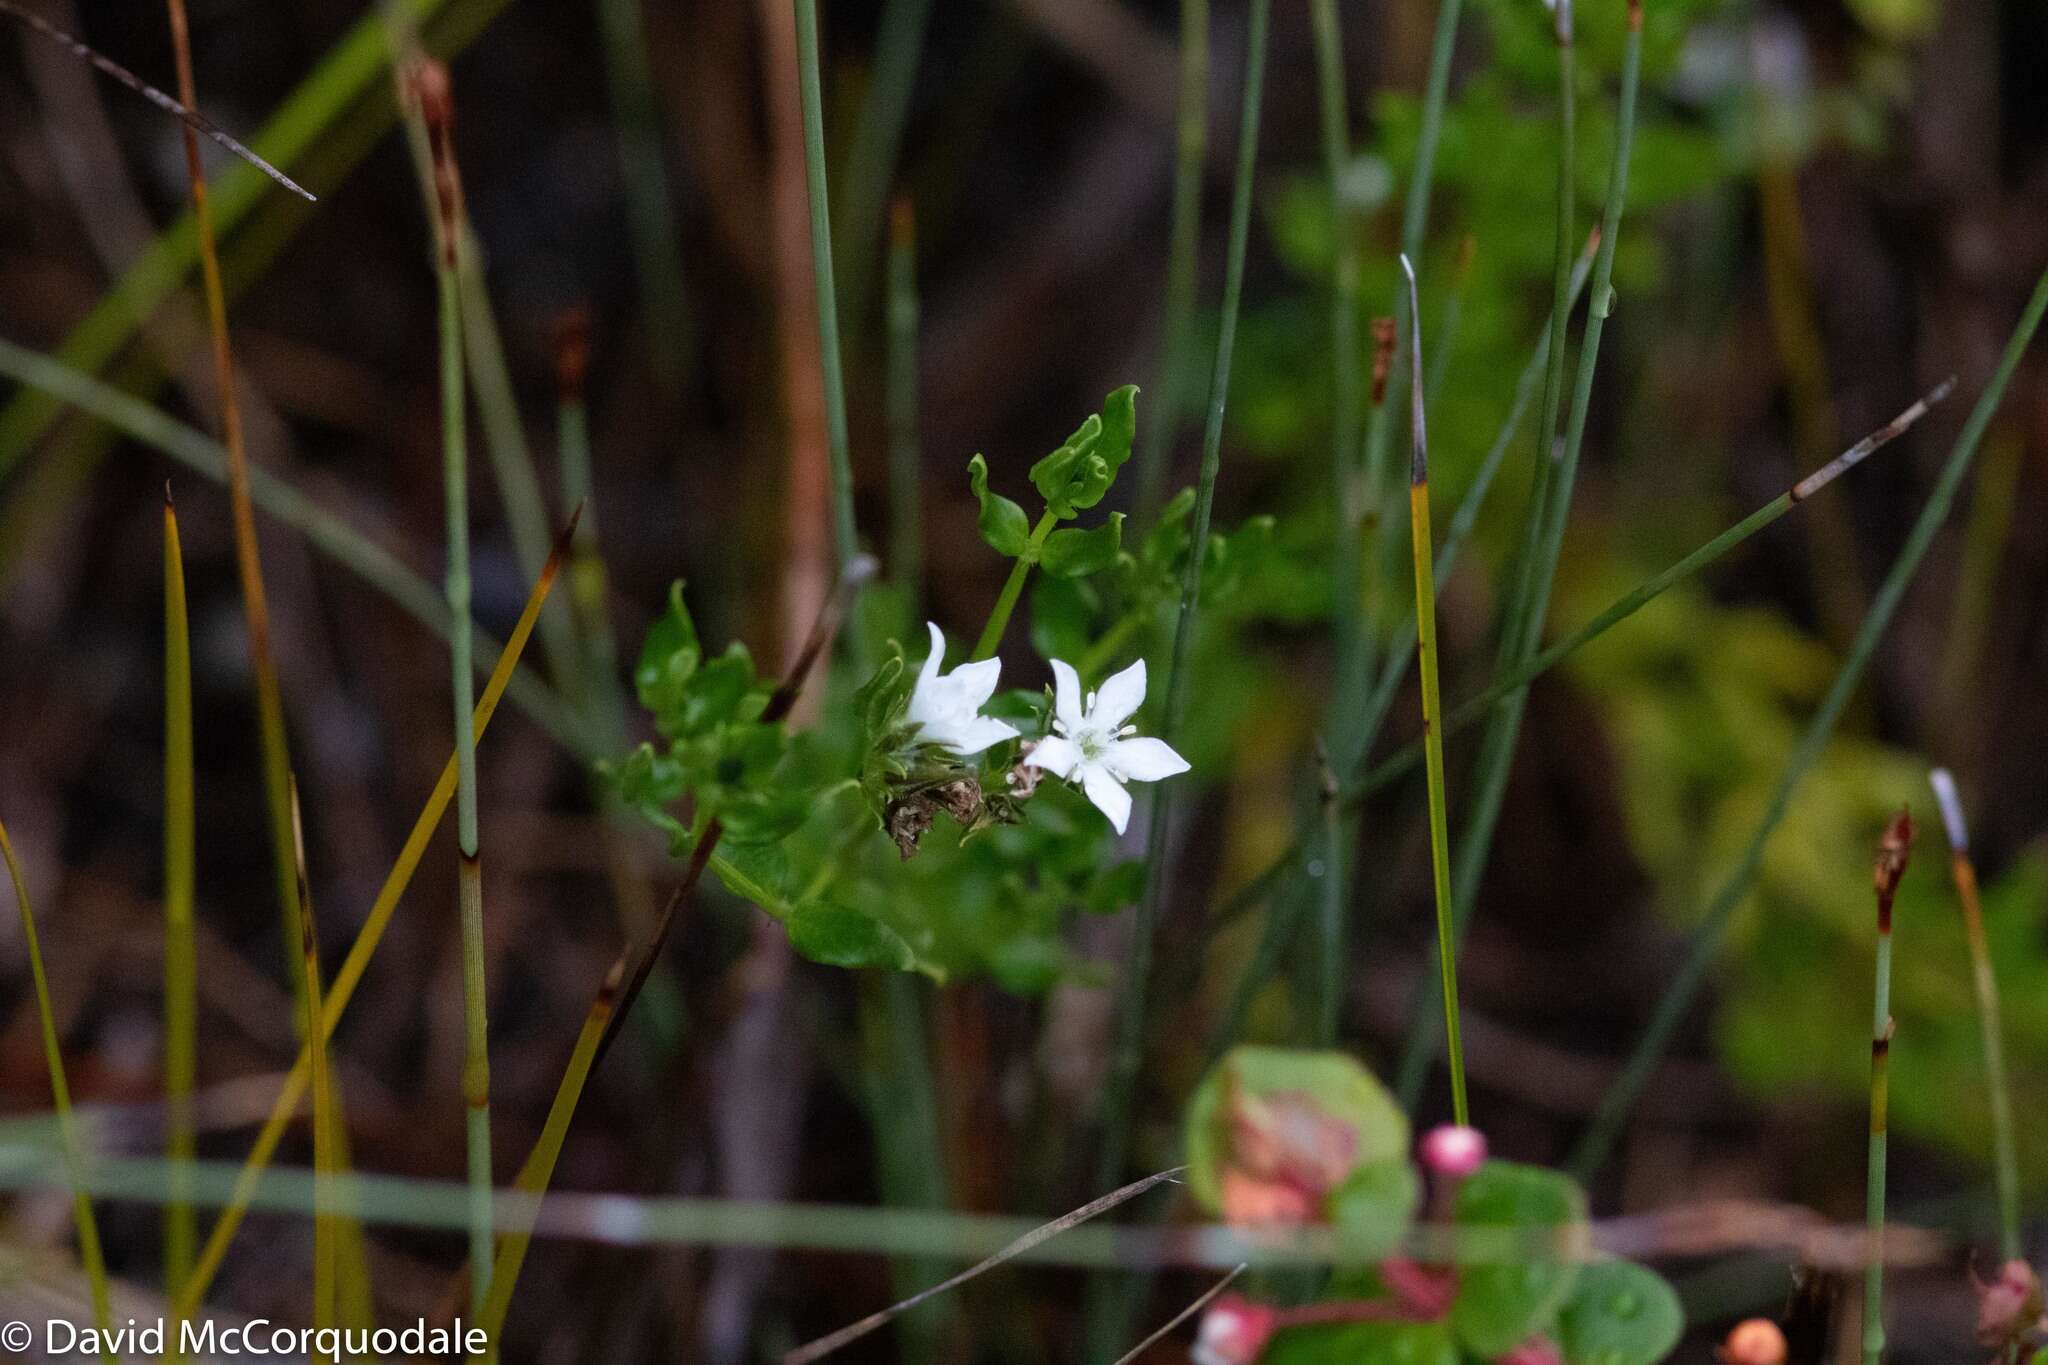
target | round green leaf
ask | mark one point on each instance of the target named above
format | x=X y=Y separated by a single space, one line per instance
x=1372 y=1209
x=1514 y=1276
x=1619 y=1314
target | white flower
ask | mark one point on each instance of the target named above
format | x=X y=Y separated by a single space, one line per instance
x=1096 y=748
x=947 y=711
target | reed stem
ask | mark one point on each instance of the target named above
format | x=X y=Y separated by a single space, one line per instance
x=906 y=504
x=813 y=101
x=1892 y=853
x=2004 y=1143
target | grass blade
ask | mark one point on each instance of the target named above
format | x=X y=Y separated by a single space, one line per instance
x=60 y=1098
x=326 y=1242
x=1432 y=705
x=1137 y=1352
x=650 y=214
x=181 y=979
x=877 y=145
x=1598 y=1140
x=2004 y=1144
x=906 y=503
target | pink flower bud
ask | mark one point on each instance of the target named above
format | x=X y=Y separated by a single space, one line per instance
x=1452 y=1151
x=1755 y=1342
x=1234 y=1332
x=1534 y=1351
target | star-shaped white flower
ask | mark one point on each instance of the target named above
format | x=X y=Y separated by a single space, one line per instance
x=947 y=710
x=1095 y=747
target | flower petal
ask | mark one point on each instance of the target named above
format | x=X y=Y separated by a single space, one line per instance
x=1107 y=793
x=973 y=684
x=927 y=699
x=1143 y=760
x=976 y=733
x=1120 y=697
x=1057 y=756
x=1066 y=695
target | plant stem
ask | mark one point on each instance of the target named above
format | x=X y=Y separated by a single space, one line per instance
x=2004 y=1144
x=1598 y=1140
x=181 y=982
x=1892 y=852
x=1191 y=137
x=325 y=1232
x=813 y=101
x=248 y=558
x=60 y=1099
x=1013 y=588
x=1432 y=707
x=906 y=506
x=1128 y=1048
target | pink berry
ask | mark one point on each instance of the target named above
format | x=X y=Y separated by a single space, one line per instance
x=1453 y=1151
x=1755 y=1342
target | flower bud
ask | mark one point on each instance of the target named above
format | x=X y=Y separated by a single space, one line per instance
x=1755 y=1342
x=1453 y=1151
x=1234 y=1331
x=1534 y=1351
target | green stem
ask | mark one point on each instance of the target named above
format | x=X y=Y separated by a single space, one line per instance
x=877 y=145
x=1874 y=1181
x=1013 y=588
x=1598 y=1140
x=476 y=1073
x=1191 y=136
x=1128 y=1048
x=813 y=102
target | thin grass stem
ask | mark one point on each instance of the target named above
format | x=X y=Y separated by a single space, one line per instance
x=432 y=96
x=1191 y=147
x=877 y=145
x=276 y=749
x=650 y=215
x=2004 y=1142
x=813 y=101
x=60 y=1098
x=1605 y=1126
x=326 y=1243
x=181 y=976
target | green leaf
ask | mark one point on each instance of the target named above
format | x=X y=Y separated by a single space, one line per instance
x=1072 y=552
x=713 y=694
x=1520 y=1274
x=1619 y=1314
x=757 y=873
x=1003 y=523
x=1364 y=1343
x=839 y=937
x=668 y=656
x=1327 y=1087
x=1075 y=476
x=1372 y=1210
